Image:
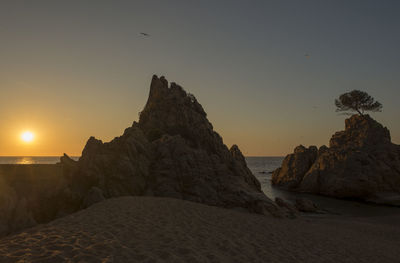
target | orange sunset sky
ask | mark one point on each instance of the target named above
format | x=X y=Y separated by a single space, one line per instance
x=72 y=70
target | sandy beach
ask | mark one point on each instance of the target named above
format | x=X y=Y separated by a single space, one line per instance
x=149 y=229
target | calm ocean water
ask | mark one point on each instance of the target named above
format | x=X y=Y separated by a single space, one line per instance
x=261 y=167
x=256 y=164
x=31 y=159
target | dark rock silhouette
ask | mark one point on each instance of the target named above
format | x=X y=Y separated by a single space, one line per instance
x=172 y=151
x=305 y=205
x=361 y=163
x=31 y=194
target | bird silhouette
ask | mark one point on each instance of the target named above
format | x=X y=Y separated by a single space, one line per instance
x=144 y=34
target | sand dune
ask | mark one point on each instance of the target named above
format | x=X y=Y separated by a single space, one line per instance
x=145 y=229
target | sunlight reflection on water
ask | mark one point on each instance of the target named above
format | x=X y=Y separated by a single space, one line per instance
x=26 y=160
x=31 y=159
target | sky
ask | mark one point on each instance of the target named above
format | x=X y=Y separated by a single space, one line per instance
x=74 y=69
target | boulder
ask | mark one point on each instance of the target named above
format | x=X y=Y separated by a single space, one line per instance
x=306 y=205
x=294 y=166
x=360 y=163
x=172 y=151
x=290 y=208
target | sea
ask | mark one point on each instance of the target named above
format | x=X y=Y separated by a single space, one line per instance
x=31 y=159
x=262 y=168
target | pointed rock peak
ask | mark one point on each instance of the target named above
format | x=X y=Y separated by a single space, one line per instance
x=92 y=145
x=171 y=110
x=67 y=161
x=160 y=91
x=235 y=149
x=237 y=154
x=162 y=95
x=158 y=88
x=299 y=149
x=302 y=149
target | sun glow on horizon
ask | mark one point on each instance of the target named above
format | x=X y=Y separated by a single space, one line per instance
x=27 y=136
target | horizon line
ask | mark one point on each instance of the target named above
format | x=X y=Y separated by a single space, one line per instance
x=81 y=155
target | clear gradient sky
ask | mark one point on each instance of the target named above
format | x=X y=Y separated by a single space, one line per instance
x=72 y=69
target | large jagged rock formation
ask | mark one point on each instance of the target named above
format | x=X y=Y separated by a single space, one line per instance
x=361 y=163
x=172 y=151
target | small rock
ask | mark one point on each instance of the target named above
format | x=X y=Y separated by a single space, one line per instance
x=290 y=208
x=306 y=205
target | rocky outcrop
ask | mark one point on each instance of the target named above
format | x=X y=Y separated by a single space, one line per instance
x=360 y=162
x=172 y=151
x=294 y=166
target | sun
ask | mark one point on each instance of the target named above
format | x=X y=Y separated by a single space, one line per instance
x=27 y=136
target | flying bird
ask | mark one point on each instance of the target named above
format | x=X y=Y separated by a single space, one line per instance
x=144 y=34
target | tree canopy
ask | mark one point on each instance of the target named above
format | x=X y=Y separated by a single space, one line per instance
x=358 y=101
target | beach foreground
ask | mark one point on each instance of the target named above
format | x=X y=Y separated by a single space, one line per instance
x=149 y=229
